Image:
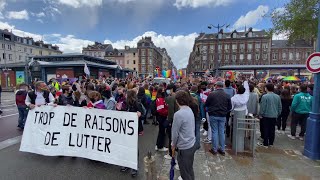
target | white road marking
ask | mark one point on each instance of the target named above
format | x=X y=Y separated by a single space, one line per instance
x=10 y=142
x=8 y=105
x=9 y=115
x=4 y=110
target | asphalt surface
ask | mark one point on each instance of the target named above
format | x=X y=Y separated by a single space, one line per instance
x=9 y=117
x=20 y=165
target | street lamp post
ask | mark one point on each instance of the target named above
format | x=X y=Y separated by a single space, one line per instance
x=312 y=141
x=217 y=64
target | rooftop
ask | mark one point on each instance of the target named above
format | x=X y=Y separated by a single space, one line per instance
x=287 y=44
x=228 y=35
x=73 y=56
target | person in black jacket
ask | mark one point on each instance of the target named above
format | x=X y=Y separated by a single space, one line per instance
x=218 y=105
x=66 y=97
x=143 y=100
x=286 y=101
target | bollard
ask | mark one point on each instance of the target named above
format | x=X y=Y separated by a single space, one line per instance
x=150 y=167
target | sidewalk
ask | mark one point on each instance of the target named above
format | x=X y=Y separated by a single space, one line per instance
x=283 y=161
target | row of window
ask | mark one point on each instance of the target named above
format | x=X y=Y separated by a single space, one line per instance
x=234 y=46
x=9 y=47
x=25 y=50
x=143 y=60
x=290 y=56
x=143 y=52
x=9 y=57
x=234 y=57
x=134 y=61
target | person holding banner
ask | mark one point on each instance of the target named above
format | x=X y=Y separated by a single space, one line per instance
x=133 y=105
x=40 y=96
x=21 y=95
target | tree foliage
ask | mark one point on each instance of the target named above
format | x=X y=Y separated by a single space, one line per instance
x=298 y=19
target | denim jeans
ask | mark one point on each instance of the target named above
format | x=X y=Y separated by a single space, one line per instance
x=23 y=113
x=218 y=126
x=197 y=133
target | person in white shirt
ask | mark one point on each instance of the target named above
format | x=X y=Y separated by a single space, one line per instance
x=41 y=96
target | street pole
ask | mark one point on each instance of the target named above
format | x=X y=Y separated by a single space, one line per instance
x=217 y=63
x=312 y=140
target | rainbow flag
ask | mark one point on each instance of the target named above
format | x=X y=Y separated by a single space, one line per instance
x=148 y=95
x=166 y=73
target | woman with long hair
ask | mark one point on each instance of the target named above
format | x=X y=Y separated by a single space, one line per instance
x=286 y=101
x=133 y=106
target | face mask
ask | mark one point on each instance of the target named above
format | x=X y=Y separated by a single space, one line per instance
x=168 y=92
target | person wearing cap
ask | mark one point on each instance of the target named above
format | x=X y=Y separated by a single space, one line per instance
x=218 y=104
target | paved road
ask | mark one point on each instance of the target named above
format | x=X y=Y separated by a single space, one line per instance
x=19 y=165
x=9 y=118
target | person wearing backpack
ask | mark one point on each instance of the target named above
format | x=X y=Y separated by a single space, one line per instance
x=162 y=113
x=200 y=115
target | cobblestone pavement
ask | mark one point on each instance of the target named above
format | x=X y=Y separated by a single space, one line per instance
x=283 y=161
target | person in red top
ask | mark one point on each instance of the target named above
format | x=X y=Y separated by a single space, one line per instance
x=162 y=113
x=21 y=95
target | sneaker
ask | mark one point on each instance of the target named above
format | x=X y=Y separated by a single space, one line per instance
x=221 y=152
x=180 y=178
x=176 y=167
x=283 y=132
x=213 y=152
x=164 y=149
x=156 y=148
x=291 y=137
x=270 y=146
x=205 y=133
x=206 y=141
x=261 y=145
x=167 y=156
x=301 y=138
x=134 y=173
x=124 y=169
x=278 y=131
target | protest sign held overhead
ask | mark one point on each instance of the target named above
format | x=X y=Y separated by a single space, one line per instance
x=102 y=135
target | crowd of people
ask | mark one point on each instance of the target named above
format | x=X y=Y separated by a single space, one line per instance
x=183 y=109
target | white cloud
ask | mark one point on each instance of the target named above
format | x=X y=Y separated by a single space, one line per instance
x=39 y=15
x=252 y=17
x=70 y=44
x=282 y=36
x=278 y=11
x=2 y=6
x=81 y=3
x=178 y=47
x=5 y=25
x=67 y=43
x=200 y=3
x=18 y=15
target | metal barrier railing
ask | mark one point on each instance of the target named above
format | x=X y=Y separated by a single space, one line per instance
x=250 y=126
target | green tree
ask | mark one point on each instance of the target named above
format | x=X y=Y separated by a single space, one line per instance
x=298 y=19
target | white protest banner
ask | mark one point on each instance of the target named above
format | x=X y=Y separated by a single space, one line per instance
x=102 y=135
